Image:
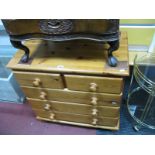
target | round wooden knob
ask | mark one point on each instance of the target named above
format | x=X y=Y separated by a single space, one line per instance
x=36 y=82
x=94 y=112
x=94 y=122
x=93 y=87
x=94 y=100
x=52 y=115
x=43 y=95
x=47 y=106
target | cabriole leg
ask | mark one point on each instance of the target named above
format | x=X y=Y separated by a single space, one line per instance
x=114 y=45
x=18 y=44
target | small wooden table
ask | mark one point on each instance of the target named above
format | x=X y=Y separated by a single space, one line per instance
x=70 y=83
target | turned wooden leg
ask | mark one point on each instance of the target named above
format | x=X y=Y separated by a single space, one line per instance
x=114 y=45
x=18 y=44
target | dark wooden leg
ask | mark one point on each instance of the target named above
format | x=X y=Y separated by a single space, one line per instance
x=114 y=45
x=18 y=44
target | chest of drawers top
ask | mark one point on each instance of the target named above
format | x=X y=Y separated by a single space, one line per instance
x=73 y=57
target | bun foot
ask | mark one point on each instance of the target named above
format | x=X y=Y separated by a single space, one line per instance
x=112 y=61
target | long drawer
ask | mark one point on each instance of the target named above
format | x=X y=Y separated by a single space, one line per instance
x=42 y=80
x=61 y=26
x=94 y=83
x=57 y=116
x=75 y=108
x=72 y=96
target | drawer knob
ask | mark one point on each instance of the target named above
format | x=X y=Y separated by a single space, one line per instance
x=43 y=95
x=93 y=87
x=47 y=107
x=94 y=112
x=94 y=100
x=94 y=122
x=52 y=115
x=36 y=82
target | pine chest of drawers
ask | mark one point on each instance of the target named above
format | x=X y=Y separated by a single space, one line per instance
x=70 y=83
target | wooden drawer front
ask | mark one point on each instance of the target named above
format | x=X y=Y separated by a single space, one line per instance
x=72 y=96
x=61 y=26
x=101 y=111
x=94 y=84
x=42 y=80
x=104 y=121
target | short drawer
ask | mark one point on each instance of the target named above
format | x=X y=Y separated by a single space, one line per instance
x=84 y=119
x=75 y=108
x=72 y=96
x=42 y=80
x=94 y=84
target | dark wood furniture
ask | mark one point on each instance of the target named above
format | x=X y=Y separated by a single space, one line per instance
x=99 y=30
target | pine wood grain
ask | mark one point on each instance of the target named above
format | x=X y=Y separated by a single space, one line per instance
x=81 y=124
x=70 y=96
x=46 y=80
x=74 y=108
x=103 y=84
x=83 y=119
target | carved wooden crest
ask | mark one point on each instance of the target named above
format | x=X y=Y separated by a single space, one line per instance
x=56 y=26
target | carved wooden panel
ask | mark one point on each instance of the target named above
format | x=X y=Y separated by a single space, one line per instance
x=56 y=26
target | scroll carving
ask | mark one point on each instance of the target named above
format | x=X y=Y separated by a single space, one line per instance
x=56 y=26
